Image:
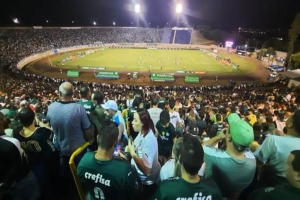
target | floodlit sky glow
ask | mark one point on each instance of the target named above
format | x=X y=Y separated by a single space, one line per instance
x=224 y=14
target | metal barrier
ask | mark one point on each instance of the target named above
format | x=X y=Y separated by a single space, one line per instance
x=73 y=169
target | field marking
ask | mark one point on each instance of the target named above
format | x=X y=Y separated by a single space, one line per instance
x=143 y=61
x=192 y=59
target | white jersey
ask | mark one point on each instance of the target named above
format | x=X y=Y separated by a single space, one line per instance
x=174 y=118
x=146 y=148
x=154 y=114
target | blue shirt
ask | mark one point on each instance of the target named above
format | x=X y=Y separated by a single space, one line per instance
x=68 y=120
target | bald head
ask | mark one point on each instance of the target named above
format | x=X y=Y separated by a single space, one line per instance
x=66 y=89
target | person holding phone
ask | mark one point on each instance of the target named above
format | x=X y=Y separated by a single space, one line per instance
x=144 y=152
x=105 y=176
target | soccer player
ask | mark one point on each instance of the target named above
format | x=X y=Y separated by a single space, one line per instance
x=105 y=176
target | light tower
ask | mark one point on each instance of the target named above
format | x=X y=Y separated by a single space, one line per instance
x=178 y=11
x=137 y=10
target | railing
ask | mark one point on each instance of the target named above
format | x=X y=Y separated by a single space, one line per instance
x=74 y=171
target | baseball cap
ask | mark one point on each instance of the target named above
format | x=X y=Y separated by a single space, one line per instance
x=241 y=131
x=110 y=104
x=23 y=102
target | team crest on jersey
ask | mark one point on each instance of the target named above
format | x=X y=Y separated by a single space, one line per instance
x=163 y=133
x=269 y=189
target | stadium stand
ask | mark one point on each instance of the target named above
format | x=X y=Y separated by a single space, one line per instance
x=167 y=35
x=273 y=104
x=183 y=36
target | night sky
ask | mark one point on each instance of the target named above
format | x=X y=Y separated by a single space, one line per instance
x=223 y=14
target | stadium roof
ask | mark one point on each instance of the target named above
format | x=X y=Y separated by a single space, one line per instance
x=292 y=74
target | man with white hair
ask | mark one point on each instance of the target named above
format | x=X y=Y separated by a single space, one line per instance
x=70 y=125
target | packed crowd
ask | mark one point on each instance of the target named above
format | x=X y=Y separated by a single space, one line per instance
x=16 y=44
x=146 y=141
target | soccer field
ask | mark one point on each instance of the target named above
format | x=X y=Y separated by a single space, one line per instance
x=158 y=61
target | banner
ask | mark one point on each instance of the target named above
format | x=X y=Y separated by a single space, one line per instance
x=73 y=73
x=162 y=77
x=108 y=75
x=191 y=79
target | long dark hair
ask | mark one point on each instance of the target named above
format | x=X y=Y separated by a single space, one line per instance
x=146 y=120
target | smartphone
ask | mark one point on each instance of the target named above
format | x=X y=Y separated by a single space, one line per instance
x=117 y=150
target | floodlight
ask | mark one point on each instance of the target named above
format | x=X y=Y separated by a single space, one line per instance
x=94 y=23
x=137 y=8
x=114 y=23
x=179 y=8
x=47 y=21
x=15 y=20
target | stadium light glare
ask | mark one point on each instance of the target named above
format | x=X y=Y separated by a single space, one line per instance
x=16 y=21
x=47 y=21
x=114 y=23
x=73 y=22
x=137 y=8
x=94 y=23
x=179 y=8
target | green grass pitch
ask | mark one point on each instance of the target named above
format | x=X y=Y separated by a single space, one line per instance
x=158 y=61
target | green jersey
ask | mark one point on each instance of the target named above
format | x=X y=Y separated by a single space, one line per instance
x=88 y=105
x=277 y=193
x=178 y=188
x=114 y=179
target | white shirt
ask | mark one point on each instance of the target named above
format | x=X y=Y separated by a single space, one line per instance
x=146 y=148
x=174 y=118
x=277 y=149
x=154 y=114
x=167 y=170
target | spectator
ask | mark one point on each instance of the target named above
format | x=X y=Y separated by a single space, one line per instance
x=42 y=156
x=172 y=168
x=154 y=111
x=70 y=125
x=234 y=168
x=201 y=123
x=97 y=116
x=134 y=107
x=190 y=185
x=105 y=176
x=130 y=100
x=217 y=126
x=275 y=149
x=111 y=111
x=166 y=134
x=174 y=115
x=251 y=117
x=144 y=152
x=290 y=191
x=16 y=179
x=85 y=94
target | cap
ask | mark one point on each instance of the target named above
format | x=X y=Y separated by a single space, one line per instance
x=23 y=102
x=11 y=113
x=241 y=131
x=110 y=104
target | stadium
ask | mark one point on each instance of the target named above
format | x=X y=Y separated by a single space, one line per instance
x=135 y=55
x=140 y=112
